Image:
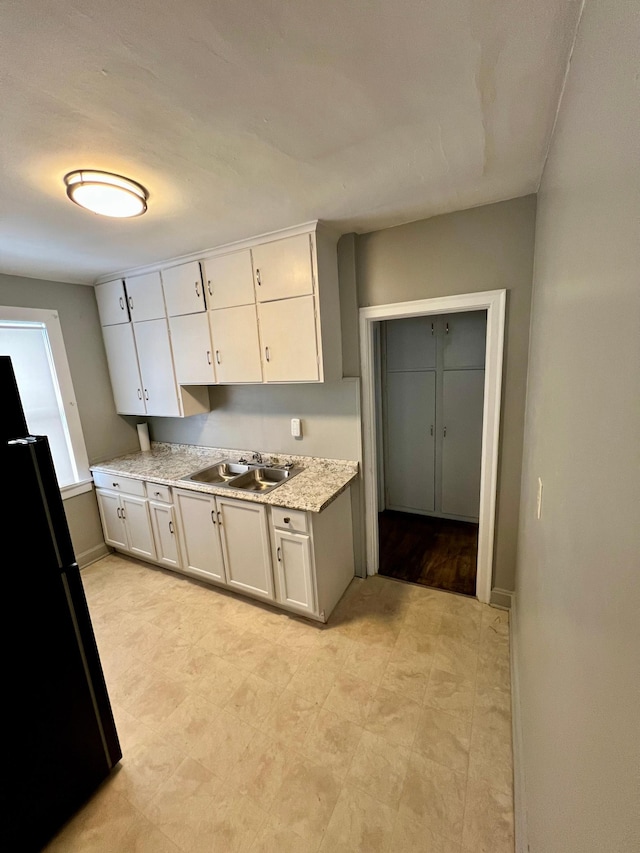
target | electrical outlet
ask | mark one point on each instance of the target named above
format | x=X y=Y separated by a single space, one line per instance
x=539 y=500
x=296 y=427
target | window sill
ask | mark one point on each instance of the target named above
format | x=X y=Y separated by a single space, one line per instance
x=74 y=489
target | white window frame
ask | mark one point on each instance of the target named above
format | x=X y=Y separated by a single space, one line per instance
x=67 y=398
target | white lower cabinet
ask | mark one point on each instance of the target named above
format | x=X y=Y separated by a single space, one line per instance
x=294 y=568
x=126 y=523
x=163 y=521
x=199 y=535
x=299 y=561
x=244 y=532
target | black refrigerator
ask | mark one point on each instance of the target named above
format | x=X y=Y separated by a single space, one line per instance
x=59 y=738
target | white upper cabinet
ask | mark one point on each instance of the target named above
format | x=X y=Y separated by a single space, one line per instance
x=288 y=337
x=124 y=371
x=183 y=291
x=156 y=368
x=112 y=303
x=192 y=349
x=228 y=280
x=144 y=294
x=236 y=345
x=283 y=268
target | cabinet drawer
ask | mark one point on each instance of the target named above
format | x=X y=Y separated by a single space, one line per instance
x=120 y=484
x=156 y=492
x=290 y=519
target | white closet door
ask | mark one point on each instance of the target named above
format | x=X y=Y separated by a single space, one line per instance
x=463 y=393
x=410 y=413
x=156 y=368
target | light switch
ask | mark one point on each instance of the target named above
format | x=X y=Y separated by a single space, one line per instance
x=296 y=427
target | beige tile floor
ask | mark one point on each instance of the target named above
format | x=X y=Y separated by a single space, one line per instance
x=246 y=729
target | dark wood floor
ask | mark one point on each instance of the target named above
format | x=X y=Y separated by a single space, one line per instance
x=430 y=551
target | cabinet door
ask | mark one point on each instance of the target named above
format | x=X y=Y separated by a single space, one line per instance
x=122 y=358
x=144 y=294
x=288 y=340
x=156 y=368
x=115 y=533
x=245 y=540
x=409 y=439
x=464 y=339
x=112 y=303
x=411 y=343
x=463 y=394
x=163 y=522
x=236 y=345
x=138 y=524
x=192 y=349
x=283 y=268
x=229 y=280
x=183 y=292
x=294 y=568
x=199 y=535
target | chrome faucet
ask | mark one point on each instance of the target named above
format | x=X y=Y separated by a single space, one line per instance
x=257 y=457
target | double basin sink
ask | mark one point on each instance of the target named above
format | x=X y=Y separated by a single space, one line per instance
x=247 y=477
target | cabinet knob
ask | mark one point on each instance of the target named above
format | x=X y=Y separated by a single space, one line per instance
x=286 y=519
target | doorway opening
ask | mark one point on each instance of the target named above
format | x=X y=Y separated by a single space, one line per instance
x=429 y=402
x=458 y=506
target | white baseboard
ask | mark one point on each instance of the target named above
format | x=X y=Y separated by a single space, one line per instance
x=519 y=799
x=85 y=558
x=501 y=598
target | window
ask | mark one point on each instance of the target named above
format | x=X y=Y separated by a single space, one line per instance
x=33 y=339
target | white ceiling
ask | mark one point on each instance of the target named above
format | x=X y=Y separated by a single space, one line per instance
x=246 y=116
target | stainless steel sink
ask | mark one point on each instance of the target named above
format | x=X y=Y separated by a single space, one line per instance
x=262 y=479
x=245 y=477
x=218 y=474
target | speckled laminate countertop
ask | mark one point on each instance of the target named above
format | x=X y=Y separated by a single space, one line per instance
x=321 y=481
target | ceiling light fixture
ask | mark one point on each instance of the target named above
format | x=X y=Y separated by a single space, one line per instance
x=106 y=194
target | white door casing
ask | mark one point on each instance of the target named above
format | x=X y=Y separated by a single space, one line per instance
x=494 y=302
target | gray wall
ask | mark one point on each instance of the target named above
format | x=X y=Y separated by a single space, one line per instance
x=106 y=433
x=485 y=248
x=578 y=576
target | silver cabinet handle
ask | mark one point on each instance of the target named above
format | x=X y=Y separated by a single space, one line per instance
x=219 y=519
x=444 y=432
x=258 y=279
x=218 y=356
x=432 y=329
x=118 y=512
x=208 y=356
x=197 y=291
x=122 y=303
x=279 y=555
x=213 y=516
x=146 y=394
x=131 y=302
x=158 y=494
x=139 y=394
x=431 y=430
x=446 y=329
x=209 y=288
x=171 y=527
x=116 y=485
x=122 y=514
x=266 y=354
